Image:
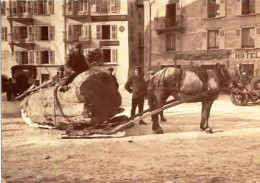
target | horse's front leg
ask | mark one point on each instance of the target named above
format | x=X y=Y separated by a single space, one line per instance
x=160 y=98
x=205 y=113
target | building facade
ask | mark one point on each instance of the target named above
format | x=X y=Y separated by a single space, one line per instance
x=30 y=36
x=41 y=33
x=192 y=33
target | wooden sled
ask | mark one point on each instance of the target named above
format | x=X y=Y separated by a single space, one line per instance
x=119 y=130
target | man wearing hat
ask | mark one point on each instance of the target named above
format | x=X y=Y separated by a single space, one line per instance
x=75 y=64
x=137 y=86
x=150 y=94
x=110 y=71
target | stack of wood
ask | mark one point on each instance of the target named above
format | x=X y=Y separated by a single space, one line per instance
x=94 y=87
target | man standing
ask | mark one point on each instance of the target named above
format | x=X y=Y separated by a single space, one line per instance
x=136 y=85
x=110 y=71
x=75 y=64
x=151 y=95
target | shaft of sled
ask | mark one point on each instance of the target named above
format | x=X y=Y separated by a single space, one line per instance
x=122 y=127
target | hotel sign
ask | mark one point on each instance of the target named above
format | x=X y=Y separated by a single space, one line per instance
x=109 y=18
x=109 y=43
x=247 y=55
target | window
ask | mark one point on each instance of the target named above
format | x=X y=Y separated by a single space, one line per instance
x=105 y=6
x=42 y=7
x=74 y=32
x=3 y=8
x=248 y=7
x=21 y=57
x=45 y=77
x=248 y=37
x=44 y=33
x=106 y=32
x=171 y=15
x=213 y=8
x=170 y=42
x=4 y=33
x=213 y=37
x=109 y=55
x=44 y=56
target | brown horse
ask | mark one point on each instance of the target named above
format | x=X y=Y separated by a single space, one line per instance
x=182 y=84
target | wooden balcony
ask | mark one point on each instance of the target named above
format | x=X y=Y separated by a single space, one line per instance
x=163 y=24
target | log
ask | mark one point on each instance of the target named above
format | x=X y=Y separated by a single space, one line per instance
x=93 y=87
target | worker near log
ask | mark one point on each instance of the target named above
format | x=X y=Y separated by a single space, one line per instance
x=110 y=71
x=75 y=64
x=150 y=94
x=137 y=86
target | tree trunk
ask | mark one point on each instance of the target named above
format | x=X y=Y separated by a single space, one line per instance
x=95 y=88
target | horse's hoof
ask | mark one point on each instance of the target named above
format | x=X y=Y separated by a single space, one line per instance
x=208 y=130
x=158 y=131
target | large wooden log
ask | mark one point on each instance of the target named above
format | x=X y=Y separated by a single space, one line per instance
x=93 y=87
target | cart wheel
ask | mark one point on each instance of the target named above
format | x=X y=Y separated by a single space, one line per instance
x=255 y=83
x=239 y=100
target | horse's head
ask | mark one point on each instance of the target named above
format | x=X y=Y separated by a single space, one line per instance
x=228 y=76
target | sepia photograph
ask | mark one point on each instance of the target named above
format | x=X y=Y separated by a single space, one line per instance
x=130 y=91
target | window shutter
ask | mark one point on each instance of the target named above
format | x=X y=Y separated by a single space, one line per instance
x=178 y=9
x=98 y=31
x=257 y=37
x=36 y=33
x=30 y=33
x=35 y=7
x=114 y=31
x=51 y=57
x=89 y=32
x=204 y=9
x=98 y=6
x=117 y=6
x=238 y=7
x=257 y=6
x=114 y=55
x=70 y=28
x=30 y=57
x=177 y=42
x=16 y=56
x=222 y=8
x=93 y=6
x=50 y=7
x=112 y=6
x=238 y=39
x=37 y=57
x=222 y=39
x=204 y=43
x=5 y=33
x=51 y=32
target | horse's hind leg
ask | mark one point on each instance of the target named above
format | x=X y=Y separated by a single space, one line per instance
x=160 y=97
x=204 y=123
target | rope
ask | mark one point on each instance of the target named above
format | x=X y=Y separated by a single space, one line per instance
x=56 y=101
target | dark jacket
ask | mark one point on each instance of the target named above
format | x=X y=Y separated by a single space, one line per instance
x=76 y=62
x=137 y=86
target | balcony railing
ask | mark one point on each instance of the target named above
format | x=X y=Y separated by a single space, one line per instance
x=163 y=24
x=73 y=10
x=14 y=13
x=75 y=38
x=18 y=40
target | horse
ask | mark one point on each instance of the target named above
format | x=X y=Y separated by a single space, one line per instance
x=181 y=84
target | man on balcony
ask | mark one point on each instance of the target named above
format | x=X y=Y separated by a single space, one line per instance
x=75 y=64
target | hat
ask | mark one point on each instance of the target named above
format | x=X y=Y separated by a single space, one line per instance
x=77 y=45
x=137 y=67
x=151 y=72
x=110 y=68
